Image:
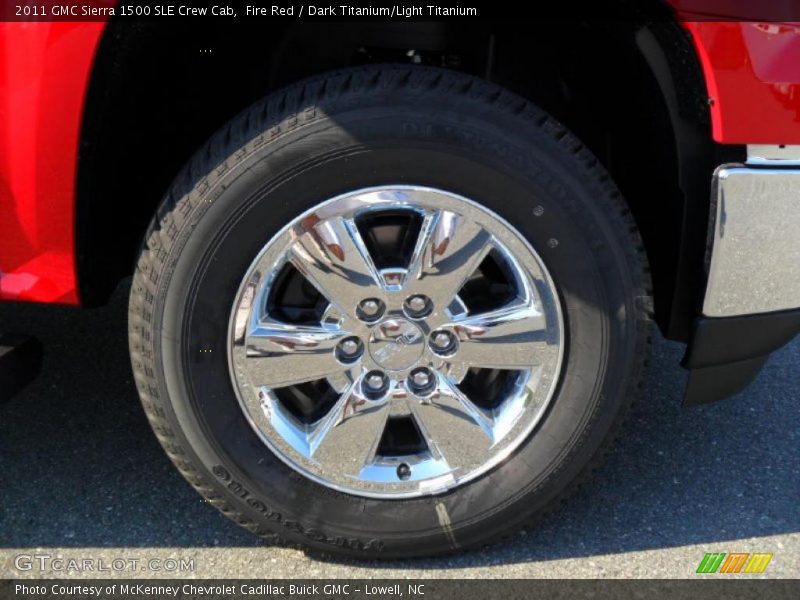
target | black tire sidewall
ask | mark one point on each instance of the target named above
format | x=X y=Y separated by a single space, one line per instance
x=469 y=151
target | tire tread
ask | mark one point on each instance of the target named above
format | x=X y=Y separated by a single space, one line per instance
x=292 y=108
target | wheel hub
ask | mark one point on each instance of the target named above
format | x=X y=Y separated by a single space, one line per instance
x=387 y=364
x=396 y=344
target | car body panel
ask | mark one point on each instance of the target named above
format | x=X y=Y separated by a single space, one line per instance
x=44 y=74
x=752 y=72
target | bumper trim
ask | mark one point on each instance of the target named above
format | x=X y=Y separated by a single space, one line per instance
x=755 y=255
x=773 y=156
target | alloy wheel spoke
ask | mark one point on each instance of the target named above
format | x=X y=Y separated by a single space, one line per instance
x=332 y=255
x=511 y=337
x=347 y=437
x=448 y=250
x=279 y=355
x=453 y=427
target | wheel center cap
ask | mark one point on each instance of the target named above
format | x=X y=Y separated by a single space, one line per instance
x=396 y=344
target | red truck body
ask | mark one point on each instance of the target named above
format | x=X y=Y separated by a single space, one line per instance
x=44 y=75
x=45 y=69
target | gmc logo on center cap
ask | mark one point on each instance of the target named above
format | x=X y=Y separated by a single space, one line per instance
x=396 y=344
x=407 y=338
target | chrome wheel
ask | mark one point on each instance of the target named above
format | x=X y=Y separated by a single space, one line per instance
x=395 y=342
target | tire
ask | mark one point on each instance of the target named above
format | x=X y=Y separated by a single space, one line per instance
x=356 y=129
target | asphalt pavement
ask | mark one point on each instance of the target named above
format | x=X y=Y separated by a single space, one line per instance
x=82 y=477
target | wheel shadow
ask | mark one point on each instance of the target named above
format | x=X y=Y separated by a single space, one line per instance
x=79 y=466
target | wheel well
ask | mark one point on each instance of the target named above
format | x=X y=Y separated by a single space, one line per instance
x=630 y=89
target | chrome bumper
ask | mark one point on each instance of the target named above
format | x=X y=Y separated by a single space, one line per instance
x=755 y=252
x=752 y=301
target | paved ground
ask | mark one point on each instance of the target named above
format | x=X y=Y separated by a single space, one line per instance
x=81 y=476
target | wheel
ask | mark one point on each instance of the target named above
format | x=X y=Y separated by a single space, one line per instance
x=389 y=312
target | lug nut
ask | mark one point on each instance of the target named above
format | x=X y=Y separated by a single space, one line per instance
x=443 y=342
x=375 y=381
x=421 y=381
x=418 y=306
x=349 y=349
x=370 y=309
x=416 y=303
